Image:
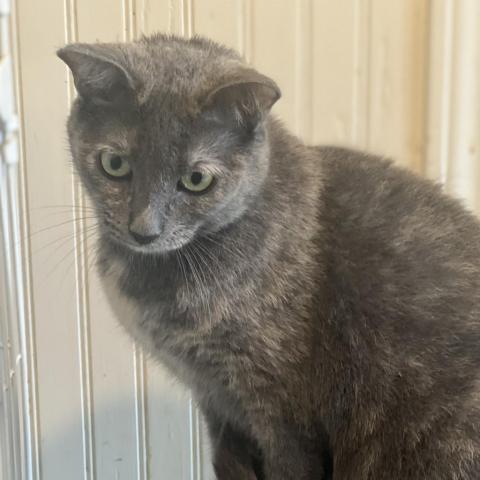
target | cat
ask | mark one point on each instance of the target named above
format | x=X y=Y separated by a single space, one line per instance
x=322 y=304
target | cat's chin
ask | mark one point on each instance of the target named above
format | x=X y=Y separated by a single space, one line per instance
x=154 y=249
x=147 y=249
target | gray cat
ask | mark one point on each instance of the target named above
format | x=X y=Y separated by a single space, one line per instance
x=322 y=304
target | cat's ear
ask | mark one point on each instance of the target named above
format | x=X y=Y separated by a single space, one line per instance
x=98 y=73
x=243 y=100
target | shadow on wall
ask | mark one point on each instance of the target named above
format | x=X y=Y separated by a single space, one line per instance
x=149 y=422
x=113 y=426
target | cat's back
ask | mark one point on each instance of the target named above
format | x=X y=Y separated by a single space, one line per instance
x=380 y=215
x=402 y=264
x=398 y=240
x=401 y=257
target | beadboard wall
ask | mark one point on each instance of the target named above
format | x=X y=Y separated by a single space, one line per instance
x=398 y=77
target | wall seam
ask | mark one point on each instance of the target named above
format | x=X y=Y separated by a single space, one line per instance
x=26 y=302
x=81 y=280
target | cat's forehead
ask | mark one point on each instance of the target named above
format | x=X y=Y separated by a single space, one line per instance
x=162 y=135
x=174 y=72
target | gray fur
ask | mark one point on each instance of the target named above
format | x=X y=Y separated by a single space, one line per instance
x=321 y=303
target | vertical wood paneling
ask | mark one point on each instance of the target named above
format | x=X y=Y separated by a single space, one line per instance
x=30 y=447
x=12 y=466
x=397 y=80
x=439 y=89
x=115 y=413
x=11 y=428
x=463 y=165
x=178 y=14
x=220 y=20
x=53 y=290
x=153 y=16
x=333 y=70
x=100 y=21
x=360 y=98
x=453 y=113
x=141 y=414
x=303 y=85
x=245 y=17
x=169 y=427
x=81 y=262
x=10 y=407
x=279 y=44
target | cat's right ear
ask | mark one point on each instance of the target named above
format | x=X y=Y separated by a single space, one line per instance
x=98 y=73
x=242 y=100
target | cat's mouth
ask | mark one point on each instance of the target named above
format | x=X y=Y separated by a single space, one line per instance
x=158 y=246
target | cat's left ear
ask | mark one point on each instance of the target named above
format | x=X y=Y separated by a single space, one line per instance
x=98 y=73
x=242 y=100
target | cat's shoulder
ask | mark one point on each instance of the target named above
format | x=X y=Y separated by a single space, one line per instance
x=352 y=170
x=371 y=202
x=357 y=181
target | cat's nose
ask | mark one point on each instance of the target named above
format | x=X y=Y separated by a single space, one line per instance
x=145 y=227
x=143 y=239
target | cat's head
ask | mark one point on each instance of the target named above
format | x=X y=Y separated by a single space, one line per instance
x=168 y=136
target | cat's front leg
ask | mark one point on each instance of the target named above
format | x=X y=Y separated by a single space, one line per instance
x=229 y=466
x=291 y=463
x=288 y=455
x=235 y=456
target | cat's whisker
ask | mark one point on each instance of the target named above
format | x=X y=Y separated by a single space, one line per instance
x=182 y=268
x=61 y=224
x=66 y=238
x=204 y=252
x=62 y=259
x=209 y=254
x=237 y=253
x=71 y=252
x=67 y=214
x=72 y=211
x=237 y=256
x=70 y=239
x=74 y=259
x=207 y=296
x=214 y=277
x=189 y=273
x=92 y=255
x=197 y=280
x=70 y=207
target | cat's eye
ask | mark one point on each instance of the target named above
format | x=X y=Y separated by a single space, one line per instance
x=115 y=165
x=196 y=182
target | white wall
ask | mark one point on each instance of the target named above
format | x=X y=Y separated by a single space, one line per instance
x=400 y=77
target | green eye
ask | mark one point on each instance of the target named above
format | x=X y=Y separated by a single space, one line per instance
x=114 y=165
x=196 y=182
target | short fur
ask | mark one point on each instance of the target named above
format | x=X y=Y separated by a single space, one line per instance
x=322 y=304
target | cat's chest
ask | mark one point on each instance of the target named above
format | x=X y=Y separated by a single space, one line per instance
x=127 y=311
x=195 y=355
x=202 y=363
x=222 y=366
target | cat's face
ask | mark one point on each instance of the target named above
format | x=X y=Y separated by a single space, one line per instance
x=168 y=137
